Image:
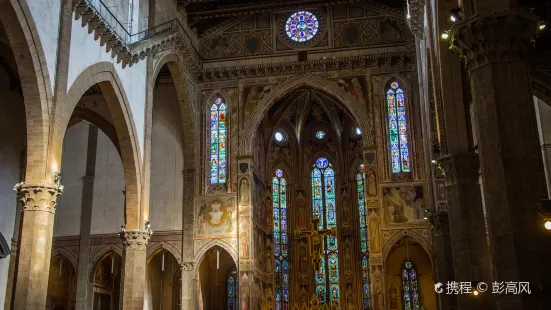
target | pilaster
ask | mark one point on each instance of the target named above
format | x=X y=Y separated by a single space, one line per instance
x=246 y=233
x=493 y=45
x=467 y=231
x=133 y=269
x=38 y=209
x=188 y=285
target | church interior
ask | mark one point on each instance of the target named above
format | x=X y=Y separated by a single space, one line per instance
x=275 y=155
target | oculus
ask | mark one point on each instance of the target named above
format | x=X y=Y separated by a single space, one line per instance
x=301 y=26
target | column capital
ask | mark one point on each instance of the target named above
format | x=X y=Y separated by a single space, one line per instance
x=38 y=197
x=135 y=239
x=459 y=168
x=187 y=266
x=498 y=36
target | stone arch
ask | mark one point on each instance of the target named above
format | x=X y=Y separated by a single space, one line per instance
x=35 y=82
x=387 y=247
x=62 y=252
x=158 y=246
x=186 y=101
x=101 y=254
x=104 y=74
x=200 y=255
x=355 y=108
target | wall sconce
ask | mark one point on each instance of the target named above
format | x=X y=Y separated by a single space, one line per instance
x=456 y=14
x=57 y=181
x=445 y=35
x=148 y=225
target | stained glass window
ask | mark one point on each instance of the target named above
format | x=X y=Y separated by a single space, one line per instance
x=232 y=290
x=397 y=123
x=281 y=247
x=320 y=135
x=218 y=142
x=410 y=288
x=324 y=208
x=301 y=26
x=362 y=211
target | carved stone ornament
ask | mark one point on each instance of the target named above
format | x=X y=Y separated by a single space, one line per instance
x=135 y=239
x=458 y=169
x=493 y=37
x=188 y=266
x=38 y=197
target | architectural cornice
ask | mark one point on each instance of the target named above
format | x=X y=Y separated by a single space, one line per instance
x=314 y=66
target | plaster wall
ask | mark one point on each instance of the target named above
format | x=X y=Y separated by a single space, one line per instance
x=46 y=16
x=120 y=9
x=108 y=201
x=86 y=52
x=12 y=143
x=167 y=161
x=73 y=168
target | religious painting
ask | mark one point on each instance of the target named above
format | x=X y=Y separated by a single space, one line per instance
x=371 y=179
x=374 y=224
x=253 y=95
x=355 y=87
x=404 y=204
x=216 y=218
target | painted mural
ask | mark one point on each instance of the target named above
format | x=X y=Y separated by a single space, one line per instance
x=216 y=219
x=404 y=204
x=355 y=87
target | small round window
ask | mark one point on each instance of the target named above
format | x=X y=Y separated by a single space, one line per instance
x=320 y=135
x=301 y=26
x=279 y=136
x=357 y=131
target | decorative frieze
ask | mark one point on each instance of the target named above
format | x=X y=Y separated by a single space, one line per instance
x=493 y=37
x=135 y=239
x=38 y=197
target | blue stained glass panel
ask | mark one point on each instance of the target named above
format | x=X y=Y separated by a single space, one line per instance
x=397 y=124
x=218 y=142
x=301 y=26
x=280 y=235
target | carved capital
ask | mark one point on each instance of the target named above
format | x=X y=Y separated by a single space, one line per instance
x=38 y=197
x=188 y=266
x=14 y=247
x=440 y=223
x=135 y=239
x=459 y=169
x=493 y=37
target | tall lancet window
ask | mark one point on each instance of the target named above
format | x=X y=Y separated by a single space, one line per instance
x=410 y=287
x=397 y=124
x=362 y=211
x=324 y=209
x=218 y=142
x=232 y=290
x=281 y=254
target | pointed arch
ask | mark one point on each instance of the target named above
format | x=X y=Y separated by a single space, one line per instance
x=200 y=255
x=355 y=108
x=153 y=249
x=36 y=86
x=104 y=74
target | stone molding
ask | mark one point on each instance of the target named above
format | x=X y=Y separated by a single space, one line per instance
x=493 y=37
x=320 y=65
x=459 y=168
x=135 y=239
x=416 y=19
x=188 y=266
x=38 y=197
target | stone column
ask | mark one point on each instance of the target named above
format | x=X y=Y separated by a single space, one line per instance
x=38 y=209
x=467 y=230
x=188 y=285
x=133 y=268
x=494 y=44
x=443 y=258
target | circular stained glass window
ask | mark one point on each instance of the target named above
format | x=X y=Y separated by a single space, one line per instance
x=322 y=163
x=301 y=26
x=279 y=173
x=408 y=265
x=357 y=131
x=320 y=134
x=279 y=136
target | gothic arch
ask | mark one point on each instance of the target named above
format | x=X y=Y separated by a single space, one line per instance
x=105 y=75
x=387 y=247
x=186 y=101
x=35 y=82
x=211 y=244
x=158 y=246
x=252 y=122
x=62 y=252
x=94 y=262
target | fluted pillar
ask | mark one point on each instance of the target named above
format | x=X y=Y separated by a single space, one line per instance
x=494 y=45
x=134 y=265
x=38 y=208
x=471 y=259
